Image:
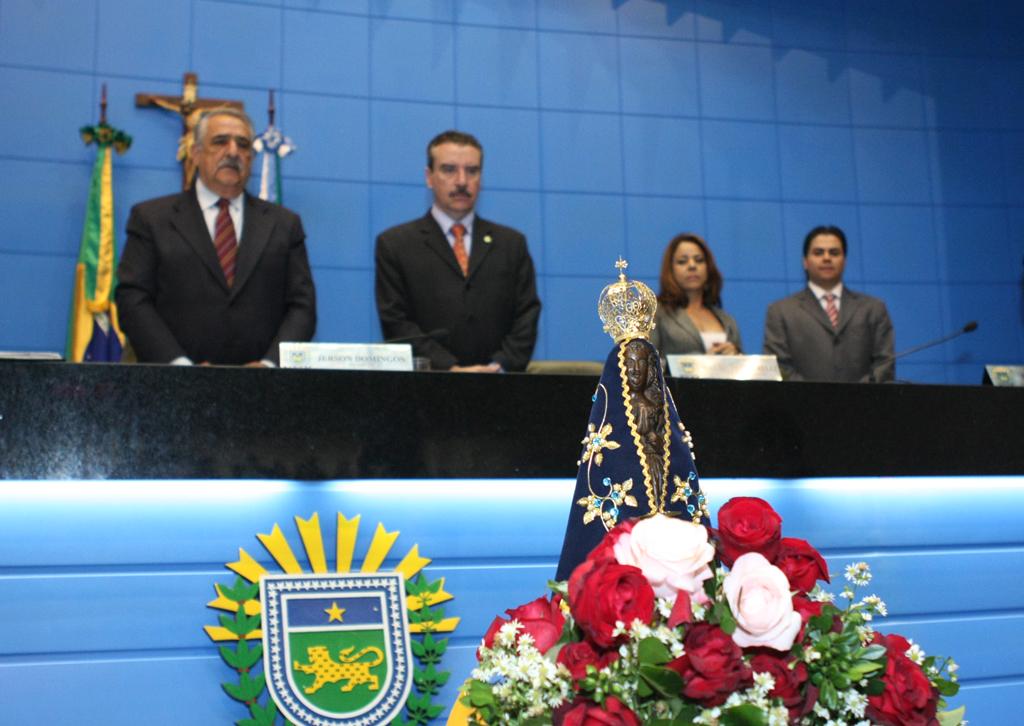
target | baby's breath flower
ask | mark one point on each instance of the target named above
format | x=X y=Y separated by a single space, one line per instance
x=855 y=703
x=865 y=633
x=823 y=596
x=875 y=603
x=846 y=594
x=764 y=681
x=915 y=653
x=858 y=573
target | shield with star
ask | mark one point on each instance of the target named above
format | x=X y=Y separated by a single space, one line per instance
x=336 y=647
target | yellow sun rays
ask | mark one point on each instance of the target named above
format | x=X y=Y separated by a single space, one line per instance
x=276 y=545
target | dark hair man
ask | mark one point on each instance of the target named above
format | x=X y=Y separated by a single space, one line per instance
x=828 y=332
x=459 y=273
x=214 y=275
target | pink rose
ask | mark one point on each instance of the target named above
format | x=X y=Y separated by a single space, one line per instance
x=758 y=595
x=673 y=554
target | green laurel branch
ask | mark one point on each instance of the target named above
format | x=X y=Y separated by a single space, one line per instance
x=428 y=650
x=243 y=657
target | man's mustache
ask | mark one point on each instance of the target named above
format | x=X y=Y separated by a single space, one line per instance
x=460 y=192
x=230 y=162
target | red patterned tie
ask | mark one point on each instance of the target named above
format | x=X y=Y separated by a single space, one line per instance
x=225 y=241
x=831 y=309
x=459 y=248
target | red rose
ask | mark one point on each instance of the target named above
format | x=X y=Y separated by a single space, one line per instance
x=604 y=592
x=802 y=564
x=603 y=551
x=577 y=656
x=748 y=524
x=541 y=618
x=789 y=682
x=909 y=698
x=584 y=712
x=712 y=667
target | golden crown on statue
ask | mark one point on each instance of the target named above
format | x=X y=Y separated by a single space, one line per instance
x=627 y=307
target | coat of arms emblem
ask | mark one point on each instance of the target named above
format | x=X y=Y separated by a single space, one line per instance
x=336 y=648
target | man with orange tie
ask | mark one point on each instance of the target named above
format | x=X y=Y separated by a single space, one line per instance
x=828 y=332
x=213 y=274
x=460 y=288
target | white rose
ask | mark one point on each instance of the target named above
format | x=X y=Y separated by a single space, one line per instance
x=674 y=554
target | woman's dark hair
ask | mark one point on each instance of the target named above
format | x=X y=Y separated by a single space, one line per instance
x=670 y=294
x=824 y=229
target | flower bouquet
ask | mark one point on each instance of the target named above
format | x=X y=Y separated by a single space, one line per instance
x=670 y=622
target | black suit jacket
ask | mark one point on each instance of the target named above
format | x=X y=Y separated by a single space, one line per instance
x=491 y=314
x=798 y=332
x=173 y=299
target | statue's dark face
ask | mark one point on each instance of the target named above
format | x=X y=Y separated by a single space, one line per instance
x=637 y=366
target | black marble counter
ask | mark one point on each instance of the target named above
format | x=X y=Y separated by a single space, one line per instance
x=97 y=421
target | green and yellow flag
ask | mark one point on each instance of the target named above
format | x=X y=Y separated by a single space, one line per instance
x=94 y=333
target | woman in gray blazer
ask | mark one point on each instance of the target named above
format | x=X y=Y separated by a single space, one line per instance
x=690 y=318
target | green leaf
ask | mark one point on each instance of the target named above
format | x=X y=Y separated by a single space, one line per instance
x=822 y=623
x=828 y=695
x=951 y=718
x=242 y=657
x=264 y=715
x=664 y=680
x=947 y=688
x=653 y=651
x=241 y=590
x=480 y=694
x=876 y=687
x=686 y=714
x=417 y=586
x=643 y=689
x=744 y=715
x=873 y=652
x=862 y=668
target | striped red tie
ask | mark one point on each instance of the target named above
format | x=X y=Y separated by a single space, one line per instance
x=225 y=241
x=831 y=309
x=459 y=248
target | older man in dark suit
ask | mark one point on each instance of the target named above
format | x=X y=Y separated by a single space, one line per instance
x=828 y=332
x=457 y=273
x=214 y=275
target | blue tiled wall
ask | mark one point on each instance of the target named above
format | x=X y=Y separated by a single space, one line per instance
x=609 y=125
x=104 y=585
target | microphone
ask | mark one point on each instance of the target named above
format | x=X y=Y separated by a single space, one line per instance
x=441 y=334
x=969 y=328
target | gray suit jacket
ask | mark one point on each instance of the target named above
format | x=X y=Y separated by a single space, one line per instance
x=675 y=333
x=798 y=332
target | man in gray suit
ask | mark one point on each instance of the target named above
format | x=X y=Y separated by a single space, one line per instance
x=828 y=332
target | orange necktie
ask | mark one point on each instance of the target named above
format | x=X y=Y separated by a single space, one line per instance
x=459 y=248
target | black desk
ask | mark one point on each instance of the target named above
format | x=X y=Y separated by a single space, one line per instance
x=98 y=421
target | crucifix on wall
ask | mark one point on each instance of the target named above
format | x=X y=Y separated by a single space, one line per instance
x=190 y=107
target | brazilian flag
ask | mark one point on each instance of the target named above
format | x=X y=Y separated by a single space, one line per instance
x=94 y=333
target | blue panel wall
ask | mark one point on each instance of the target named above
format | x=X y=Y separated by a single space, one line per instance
x=609 y=125
x=104 y=585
